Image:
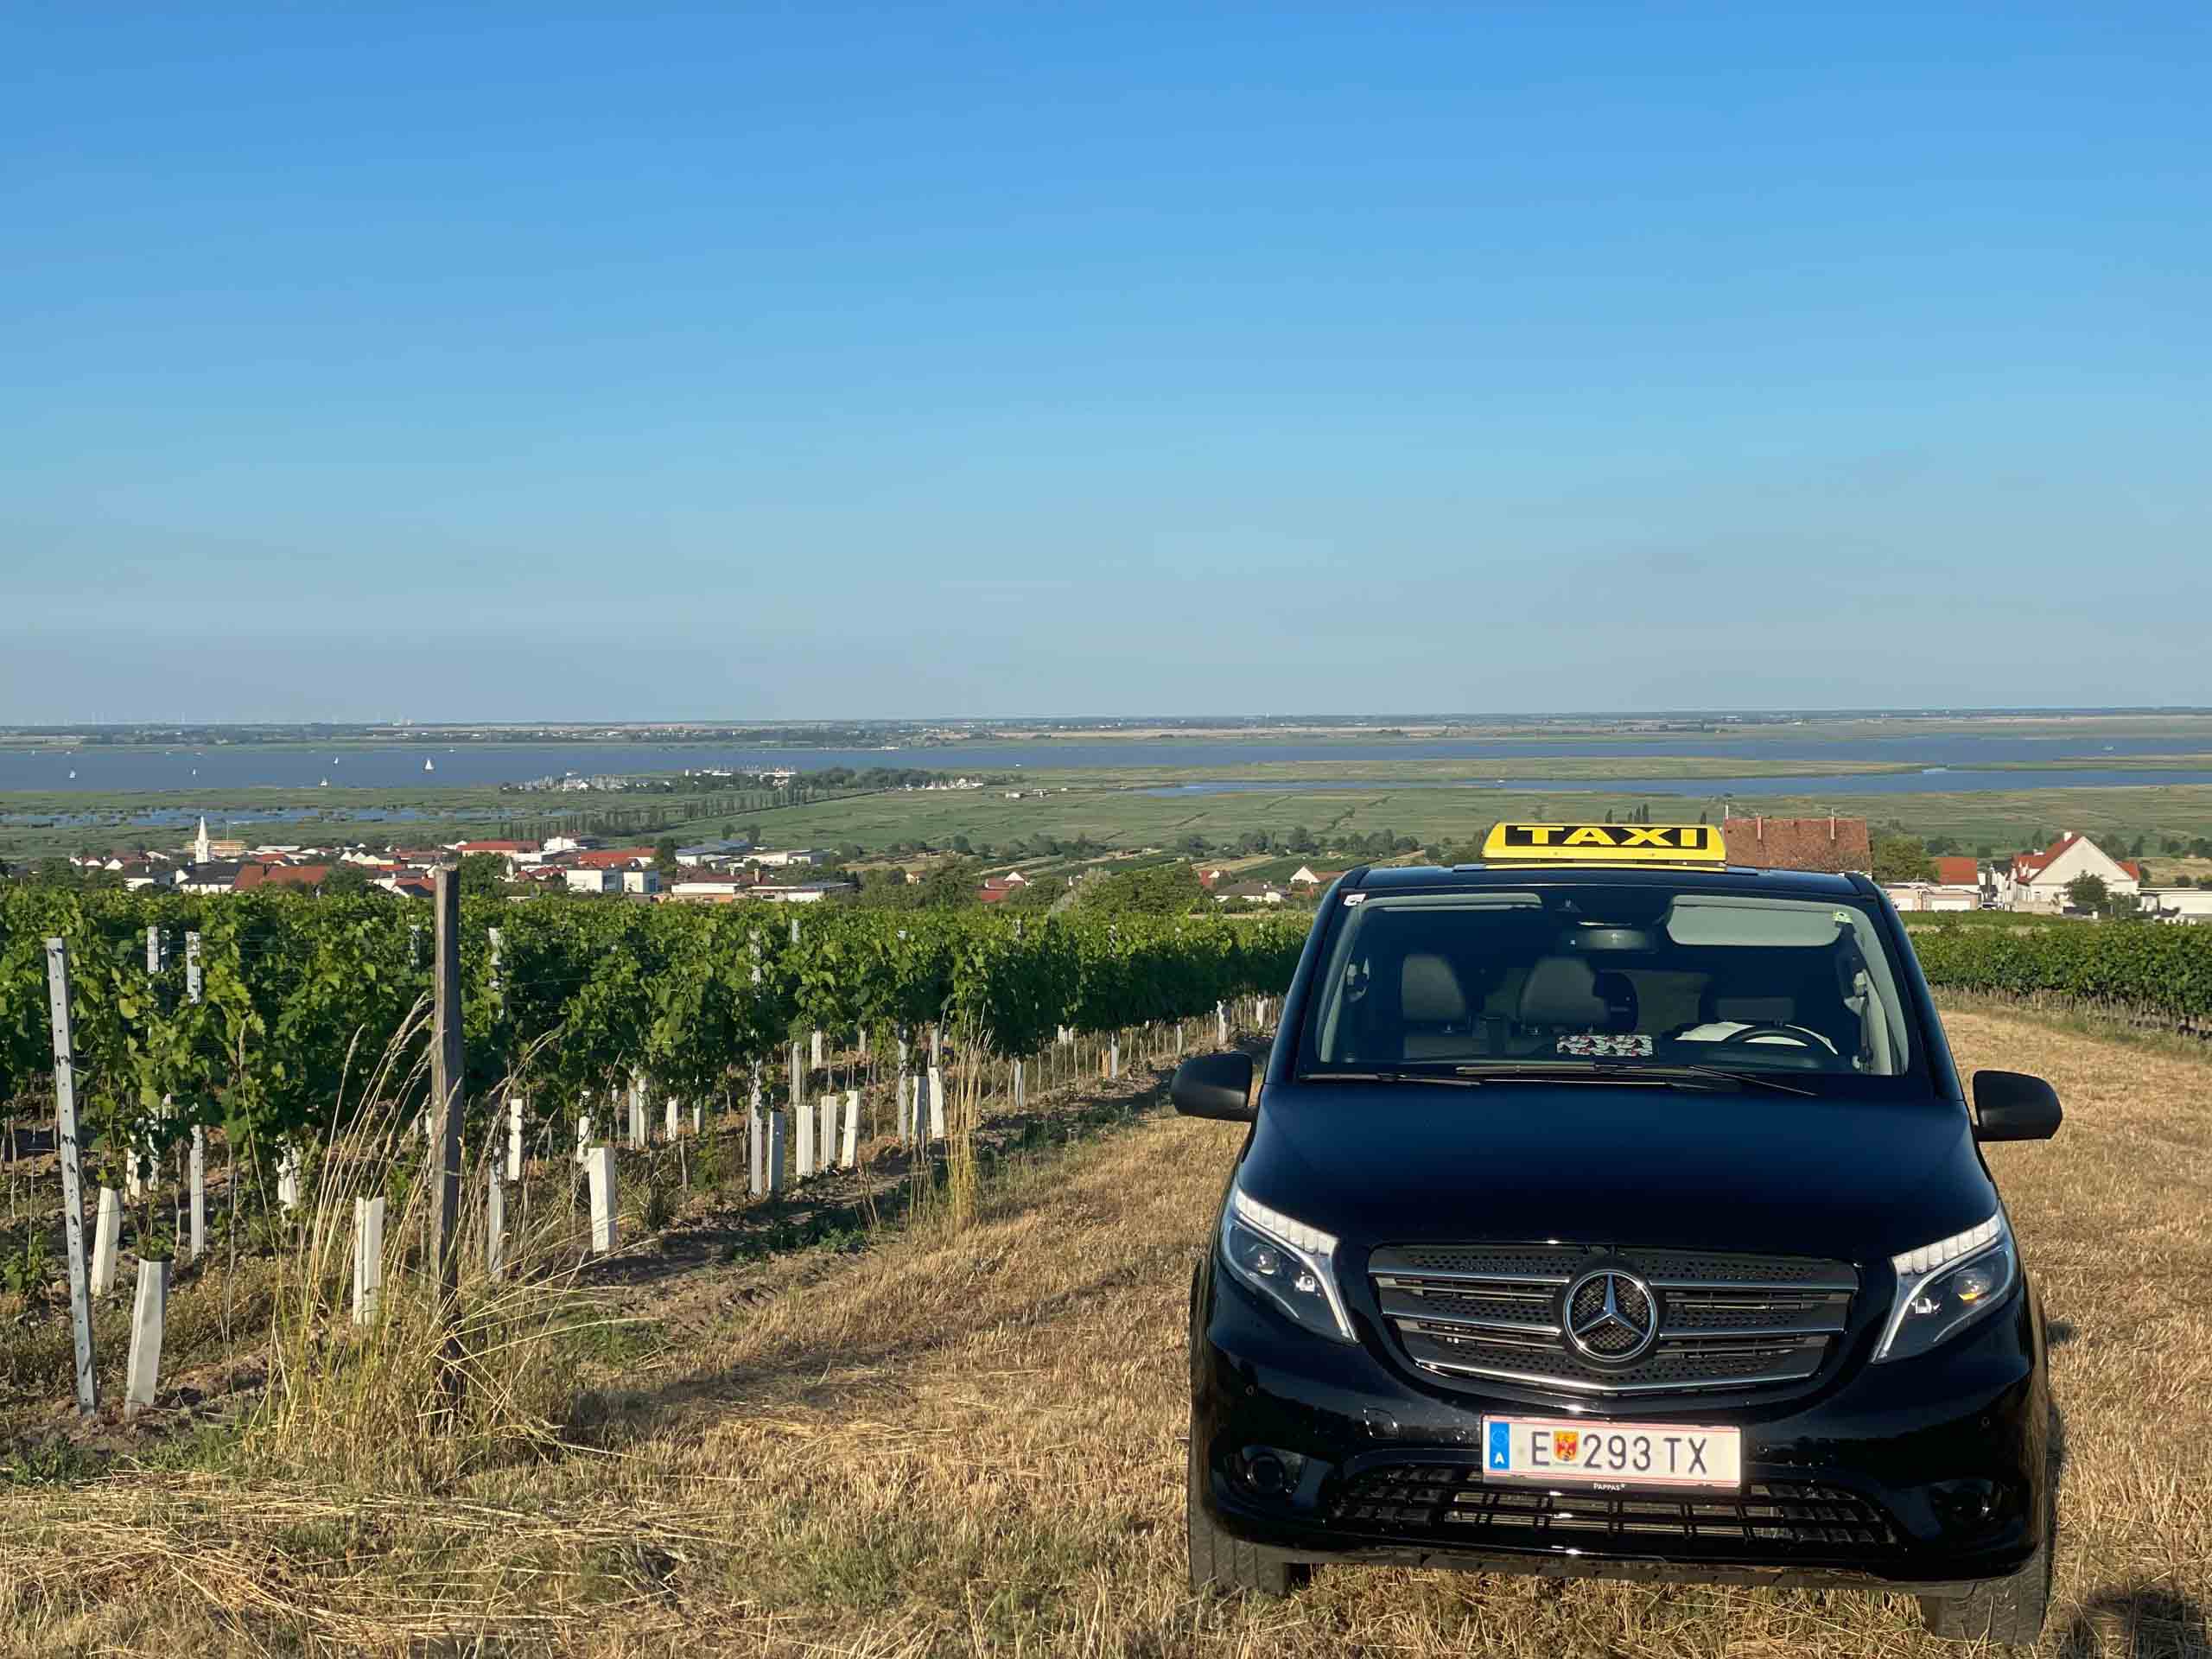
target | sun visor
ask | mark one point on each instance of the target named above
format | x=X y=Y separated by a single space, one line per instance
x=1752 y=923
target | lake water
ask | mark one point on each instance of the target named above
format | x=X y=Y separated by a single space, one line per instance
x=1937 y=782
x=214 y=772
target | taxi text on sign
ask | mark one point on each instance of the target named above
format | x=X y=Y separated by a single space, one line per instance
x=1605 y=843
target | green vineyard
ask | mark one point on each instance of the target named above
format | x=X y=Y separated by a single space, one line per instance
x=2145 y=969
x=287 y=1002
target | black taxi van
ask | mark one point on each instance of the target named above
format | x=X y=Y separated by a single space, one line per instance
x=1606 y=1210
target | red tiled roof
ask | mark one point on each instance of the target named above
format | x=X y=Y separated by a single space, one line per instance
x=1831 y=844
x=2028 y=866
x=1958 y=872
x=279 y=876
x=616 y=858
x=991 y=895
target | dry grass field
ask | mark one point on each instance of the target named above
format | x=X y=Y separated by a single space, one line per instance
x=970 y=1443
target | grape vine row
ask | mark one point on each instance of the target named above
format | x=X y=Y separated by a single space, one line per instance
x=301 y=995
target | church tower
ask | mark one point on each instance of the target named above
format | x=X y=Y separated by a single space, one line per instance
x=200 y=845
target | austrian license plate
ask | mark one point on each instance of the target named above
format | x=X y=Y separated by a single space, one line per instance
x=1556 y=1451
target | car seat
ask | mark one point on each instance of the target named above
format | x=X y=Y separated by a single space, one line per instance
x=1432 y=1007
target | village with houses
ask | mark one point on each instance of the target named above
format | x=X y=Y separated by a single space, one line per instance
x=2048 y=883
x=712 y=872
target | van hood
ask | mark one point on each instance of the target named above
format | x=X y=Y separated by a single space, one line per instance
x=1845 y=1179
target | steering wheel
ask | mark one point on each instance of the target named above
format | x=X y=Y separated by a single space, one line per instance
x=1796 y=1035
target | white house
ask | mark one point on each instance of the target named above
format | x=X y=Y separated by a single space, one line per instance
x=591 y=879
x=784 y=857
x=2187 y=904
x=803 y=893
x=711 y=889
x=1912 y=896
x=1252 y=892
x=709 y=852
x=2039 y=880
x=646 y=881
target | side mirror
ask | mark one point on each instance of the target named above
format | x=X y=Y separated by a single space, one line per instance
x=2013 y=1106
x=1214 y=1085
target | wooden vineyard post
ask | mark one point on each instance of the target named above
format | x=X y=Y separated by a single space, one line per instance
x=899 y=1110
x=148 y=1311
x=105 y=1239
x=196 y=1166
x=368 y=1257
x=73 y=1178
x=446 y=1074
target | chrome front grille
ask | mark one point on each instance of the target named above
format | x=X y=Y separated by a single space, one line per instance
x=1725 y=1323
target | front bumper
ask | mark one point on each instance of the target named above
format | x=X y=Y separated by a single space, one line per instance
x=1925 y=1474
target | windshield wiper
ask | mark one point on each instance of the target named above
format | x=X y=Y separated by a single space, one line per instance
x=1389 y=1077
x=1594 y=1071
x=1765 y=1080
x=1678 y=1077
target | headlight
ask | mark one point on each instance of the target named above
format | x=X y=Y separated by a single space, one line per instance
x=1944 y=1287
x=1286 y=1261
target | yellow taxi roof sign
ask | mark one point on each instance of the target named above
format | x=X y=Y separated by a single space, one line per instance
x=1605 y=843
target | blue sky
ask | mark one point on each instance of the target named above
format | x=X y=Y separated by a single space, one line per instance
x=519 y=362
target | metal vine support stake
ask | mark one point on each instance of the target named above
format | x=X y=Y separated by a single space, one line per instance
x=72 y=1179
x=446 y=1074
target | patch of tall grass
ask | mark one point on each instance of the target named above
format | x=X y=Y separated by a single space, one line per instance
x=426 y=1384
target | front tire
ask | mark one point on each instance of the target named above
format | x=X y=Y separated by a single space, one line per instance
x=2007 y=1611
x=1222 y=1564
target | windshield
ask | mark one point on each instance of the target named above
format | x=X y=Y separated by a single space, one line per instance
x=1573 y=977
